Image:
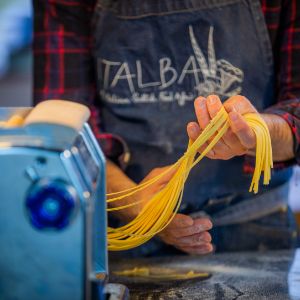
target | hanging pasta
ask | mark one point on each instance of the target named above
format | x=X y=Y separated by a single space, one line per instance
x=159 y=211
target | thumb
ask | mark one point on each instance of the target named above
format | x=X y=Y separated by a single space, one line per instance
x=242 y=130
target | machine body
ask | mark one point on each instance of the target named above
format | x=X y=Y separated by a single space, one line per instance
x=52 y=211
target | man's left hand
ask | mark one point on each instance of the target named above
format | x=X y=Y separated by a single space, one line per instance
x=239 y=138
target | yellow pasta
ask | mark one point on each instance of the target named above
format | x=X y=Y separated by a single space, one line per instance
x=161 y=274
x=159 y=211
x=14 y=121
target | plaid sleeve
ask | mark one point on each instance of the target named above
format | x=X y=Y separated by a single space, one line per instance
x=63 y=63
x=63 y=66
x=113 y=146
x=287 y=61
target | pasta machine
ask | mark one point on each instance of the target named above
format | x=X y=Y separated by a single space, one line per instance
x=52 y=205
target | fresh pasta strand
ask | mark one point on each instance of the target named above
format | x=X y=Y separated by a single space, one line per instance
x=162 y=274
x=159 y=211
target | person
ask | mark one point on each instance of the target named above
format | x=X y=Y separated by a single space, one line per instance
x=140 y=65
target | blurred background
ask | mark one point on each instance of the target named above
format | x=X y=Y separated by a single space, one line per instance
x=15 y=53
x=16 y=66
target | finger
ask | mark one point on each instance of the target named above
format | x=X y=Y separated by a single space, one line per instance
x=201 y=112
x=203 y=108
x=204 y=222
x=187 y=241
x=199 y=224
x=188 y=231
x=229 y=141
x=193 y=131
x=181 y=220
x=242 y=130
x=194 y=240
x=240 y=104
x=234 y=146
x=222 y=151
x=198 y=250
x=214 y=105
x=233 y=142
x=171 y=233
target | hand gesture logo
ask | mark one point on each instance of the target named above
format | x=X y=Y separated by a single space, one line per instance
x=219 y=76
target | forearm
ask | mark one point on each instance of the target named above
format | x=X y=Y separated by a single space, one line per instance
x=118 y=181
x=281 y=136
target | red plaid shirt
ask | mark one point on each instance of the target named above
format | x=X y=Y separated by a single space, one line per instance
x=64 y=68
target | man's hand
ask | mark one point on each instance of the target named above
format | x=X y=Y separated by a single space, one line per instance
x=183 y=232
x=239 y=138
x=118 y=181
x=189 y=235
x=146 y=194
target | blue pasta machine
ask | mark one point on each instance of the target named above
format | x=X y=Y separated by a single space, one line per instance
x=52 y=206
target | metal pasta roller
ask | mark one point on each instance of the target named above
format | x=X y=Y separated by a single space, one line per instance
x=52 y=205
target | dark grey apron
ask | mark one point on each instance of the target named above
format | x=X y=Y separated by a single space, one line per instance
x=154 y=57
